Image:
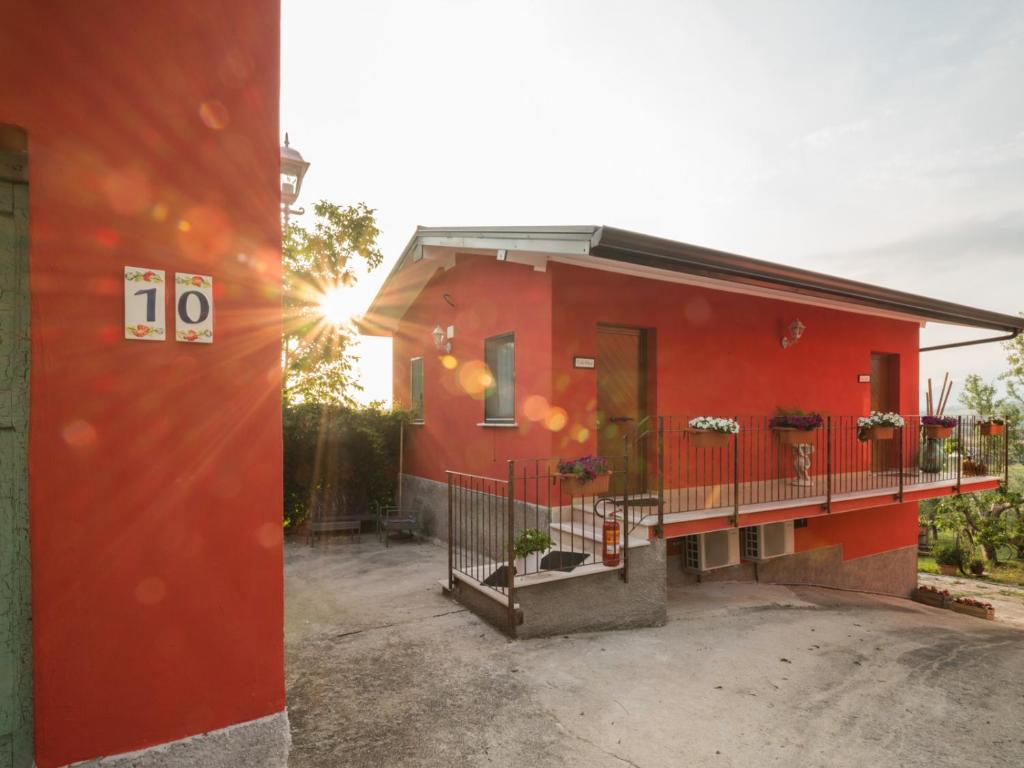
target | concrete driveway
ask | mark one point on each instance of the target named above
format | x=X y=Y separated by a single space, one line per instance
x=382 y=670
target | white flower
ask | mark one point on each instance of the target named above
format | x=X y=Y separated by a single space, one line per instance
x=879 y=419
x=715 y=424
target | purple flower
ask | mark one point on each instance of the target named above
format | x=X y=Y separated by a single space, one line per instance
x=801 y=421
x=938 y=421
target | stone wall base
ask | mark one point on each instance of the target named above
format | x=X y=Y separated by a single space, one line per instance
x=261 y=743
x=888 y=573
x=588 y=603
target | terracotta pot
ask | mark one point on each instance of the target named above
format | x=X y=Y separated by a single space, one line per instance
x=947 y=570
x=937 y=432
x=706 y=438
x=991 y=430
x=881 y=433
x=573 y=486
x=794 y=436
x=934 y=599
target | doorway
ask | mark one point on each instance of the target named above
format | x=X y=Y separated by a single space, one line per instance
x=622 y=399
x=885 y=396
x=15 y=586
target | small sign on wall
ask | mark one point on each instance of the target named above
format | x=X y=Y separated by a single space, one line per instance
x=863 y=378
x=144 y=304
x=584 y=362
x=193 y=308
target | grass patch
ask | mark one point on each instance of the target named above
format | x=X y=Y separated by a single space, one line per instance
x=1010 y=572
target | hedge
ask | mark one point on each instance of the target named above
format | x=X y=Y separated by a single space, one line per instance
x=345 y=457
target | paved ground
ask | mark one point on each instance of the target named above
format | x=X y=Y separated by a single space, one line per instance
x=384 y=671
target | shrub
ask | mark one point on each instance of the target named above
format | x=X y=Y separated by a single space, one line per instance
x=948 y=554
x=343 y=458
x=532 y=540
x=977 y=567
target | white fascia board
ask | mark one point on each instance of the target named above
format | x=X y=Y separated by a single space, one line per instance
x=577 y=245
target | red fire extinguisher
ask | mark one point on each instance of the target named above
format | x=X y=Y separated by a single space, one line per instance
x=612 y=544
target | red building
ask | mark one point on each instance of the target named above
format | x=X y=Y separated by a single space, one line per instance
x=146 y=473
x=520 y=343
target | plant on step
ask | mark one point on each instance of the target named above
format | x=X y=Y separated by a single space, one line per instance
x=805 y=422
x=715 y=424
x=584 y=469
x=938 y=421
x=949 y=555
x=531 y=540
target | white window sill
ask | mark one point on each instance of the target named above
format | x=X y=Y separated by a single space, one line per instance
x=419 y=423
x=499 y=424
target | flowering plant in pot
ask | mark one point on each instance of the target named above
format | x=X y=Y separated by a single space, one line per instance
x=974 y=607
x=993 y=425
x=938 y=427
x=528 y=547
x=949 y=558
x=937 y=598
x=585 y=475
x=878 y=426
x=795 y=427
x=712 y=431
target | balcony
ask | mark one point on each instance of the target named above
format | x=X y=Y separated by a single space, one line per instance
x=764 y=474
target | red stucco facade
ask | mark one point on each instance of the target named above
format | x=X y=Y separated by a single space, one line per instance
x=710 y=351
x=155 y=468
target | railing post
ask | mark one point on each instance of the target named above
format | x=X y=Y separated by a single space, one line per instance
x=959 y=450
x=624 y=530
x=828 y=464
x=511 y=579
x=451 y=536
x=661 y=477
x=736 y=478
x=1006 y=454
x=899 y=459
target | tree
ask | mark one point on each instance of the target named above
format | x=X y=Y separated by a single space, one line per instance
x=985 y=520
x=319 y=264
x=979 y=397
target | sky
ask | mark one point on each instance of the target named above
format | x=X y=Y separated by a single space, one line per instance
x=878 y=141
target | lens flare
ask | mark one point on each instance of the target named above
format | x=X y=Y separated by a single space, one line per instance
x=333 y=306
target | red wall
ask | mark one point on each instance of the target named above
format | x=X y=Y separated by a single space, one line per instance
x=862 y=533
x=718 y=353
x=489 y=298
x=155 y=466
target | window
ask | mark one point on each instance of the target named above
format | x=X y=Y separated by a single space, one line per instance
x=416 y=388
x=500 y=398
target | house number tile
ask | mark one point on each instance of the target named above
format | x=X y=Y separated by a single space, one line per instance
x=193 y=308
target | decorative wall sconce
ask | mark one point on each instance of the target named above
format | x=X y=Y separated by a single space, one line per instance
x=796 y=331
x=442 y=339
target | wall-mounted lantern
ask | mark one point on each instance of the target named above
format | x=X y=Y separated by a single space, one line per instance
x=796 y=331
x=443 y=340
x=293 y=170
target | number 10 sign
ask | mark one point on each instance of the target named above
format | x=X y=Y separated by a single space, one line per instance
x=145 y=311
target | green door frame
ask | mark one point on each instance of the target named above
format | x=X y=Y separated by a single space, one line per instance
x=16 y=738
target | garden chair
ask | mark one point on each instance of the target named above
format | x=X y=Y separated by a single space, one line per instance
x=326 y=519
x=394 y=519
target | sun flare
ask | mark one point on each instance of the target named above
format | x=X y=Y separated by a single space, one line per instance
x=333 y=306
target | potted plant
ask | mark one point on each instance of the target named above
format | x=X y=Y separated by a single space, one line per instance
x=992 y=426
x=937 y=598
x=974 y=468
x=949 y=558
x=529 y=545
x=977 y=567
x=974 y=607
x=878 y=426
x=795 y=427
x=938 y=427
x=711 y=431
x=585 y=475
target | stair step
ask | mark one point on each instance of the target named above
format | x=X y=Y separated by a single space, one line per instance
x=591 y=533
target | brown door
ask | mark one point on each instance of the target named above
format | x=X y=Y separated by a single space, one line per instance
x=885 y=396
x=621 y=406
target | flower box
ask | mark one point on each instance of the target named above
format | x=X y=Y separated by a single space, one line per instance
x=991 y=429
x=794 y=436
x=707 y=438
x=574 y=486
x=937 y=432
x=933 y=597
x=974 y=608
x=880 y=433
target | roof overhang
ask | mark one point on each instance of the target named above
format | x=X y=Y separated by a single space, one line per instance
x=620 y=250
